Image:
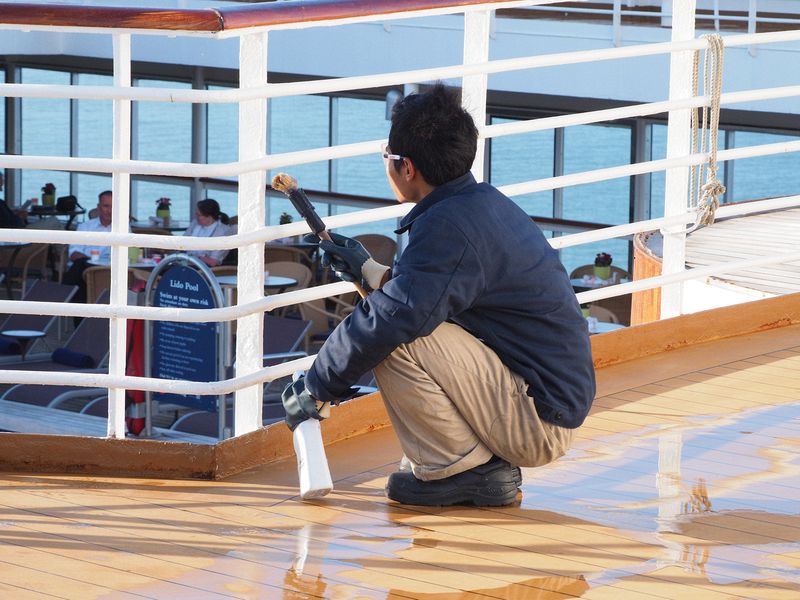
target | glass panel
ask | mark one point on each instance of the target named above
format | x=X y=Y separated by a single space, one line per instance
x=658 y=151
x=524 y=157
x=223 y=131
x=90 y=187
x=586 y=148
x=147 y=194
x=95 y=121
x=2 y=114
x=359 y=120
x=163 y=133
x=298 y=123
x=765 y=176
x=45 y=132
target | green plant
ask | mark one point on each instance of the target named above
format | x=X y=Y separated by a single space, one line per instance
x=603 y=259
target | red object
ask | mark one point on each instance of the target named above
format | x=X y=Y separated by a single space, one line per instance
x=134 y=399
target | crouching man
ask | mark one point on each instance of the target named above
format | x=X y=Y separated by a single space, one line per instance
x=475 y=337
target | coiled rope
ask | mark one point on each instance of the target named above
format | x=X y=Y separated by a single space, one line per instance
x=704 y=197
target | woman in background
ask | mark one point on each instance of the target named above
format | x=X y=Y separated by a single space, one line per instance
x=209 y=221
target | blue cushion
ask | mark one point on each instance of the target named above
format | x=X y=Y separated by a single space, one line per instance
x=9 y=346
x=73 y=359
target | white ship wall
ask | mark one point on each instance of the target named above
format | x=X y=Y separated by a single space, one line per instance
x=417 y=43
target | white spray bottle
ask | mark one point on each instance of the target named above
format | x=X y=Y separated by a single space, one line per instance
x=312 y=464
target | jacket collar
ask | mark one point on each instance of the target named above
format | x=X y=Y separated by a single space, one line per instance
x=437 y=195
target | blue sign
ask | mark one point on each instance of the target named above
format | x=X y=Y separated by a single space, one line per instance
x=186 y=351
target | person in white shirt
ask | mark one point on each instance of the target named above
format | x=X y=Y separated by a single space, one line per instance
x=209 y=221
x=79 y=254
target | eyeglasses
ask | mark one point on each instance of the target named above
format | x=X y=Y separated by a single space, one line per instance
x=387 y=156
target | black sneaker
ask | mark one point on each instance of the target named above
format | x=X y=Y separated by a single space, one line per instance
x=491 y=484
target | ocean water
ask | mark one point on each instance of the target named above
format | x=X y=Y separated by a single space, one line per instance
x=163 y=132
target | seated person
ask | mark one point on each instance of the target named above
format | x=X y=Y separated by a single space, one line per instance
x=209 y=221
x=11 y=218
x=79 y=253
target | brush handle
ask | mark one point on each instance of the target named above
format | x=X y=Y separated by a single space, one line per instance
x=303 y=205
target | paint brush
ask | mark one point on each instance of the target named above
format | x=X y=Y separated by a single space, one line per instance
x=287 y=184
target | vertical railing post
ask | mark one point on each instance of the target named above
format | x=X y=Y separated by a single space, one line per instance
x=752 y=20
x=477 y=28
x=616 y=23
x=676 y=190
x=120 y=186
x=199 y=136
x=252 y=185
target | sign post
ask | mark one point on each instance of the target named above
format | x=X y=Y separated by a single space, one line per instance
x=188 y=351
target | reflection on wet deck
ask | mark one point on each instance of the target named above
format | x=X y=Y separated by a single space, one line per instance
x=683 y=484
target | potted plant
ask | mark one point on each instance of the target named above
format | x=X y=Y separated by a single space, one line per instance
x=602 y=265
x=162 y=209
x=48 y=195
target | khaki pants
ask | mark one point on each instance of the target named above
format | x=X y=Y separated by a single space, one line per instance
x=454 y=404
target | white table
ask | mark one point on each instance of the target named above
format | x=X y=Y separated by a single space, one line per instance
x=25 y=337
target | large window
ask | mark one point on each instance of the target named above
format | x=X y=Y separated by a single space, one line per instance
x=766 y=176
x=45 y=132
x=523 y=157
x=298 y=124
x=163 y=133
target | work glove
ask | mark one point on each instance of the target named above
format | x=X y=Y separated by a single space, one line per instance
x=350 y=261
x=301 y=406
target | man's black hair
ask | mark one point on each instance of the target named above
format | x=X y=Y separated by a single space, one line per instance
x=101 y=194
x=436 y=133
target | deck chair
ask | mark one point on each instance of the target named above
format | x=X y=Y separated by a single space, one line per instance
x=381 y=247
x=283 y=338
x=29 y=263
x=39 y=291
x=99 y=278
x=85 y=350
x=52 y=396
x=202 y=423
x=282 y=252
x=602 y=314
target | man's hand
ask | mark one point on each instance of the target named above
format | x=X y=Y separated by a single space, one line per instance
x=351 y=261
x=300 y=405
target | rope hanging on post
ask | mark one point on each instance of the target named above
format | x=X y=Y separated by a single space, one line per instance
x=704 y=197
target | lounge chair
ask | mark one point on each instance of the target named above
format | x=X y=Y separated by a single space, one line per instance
x=38 y=291
x=85 y=350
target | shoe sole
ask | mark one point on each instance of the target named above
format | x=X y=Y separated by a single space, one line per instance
x=500 y=495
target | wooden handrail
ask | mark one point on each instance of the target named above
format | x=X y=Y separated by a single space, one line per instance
x=213 y=20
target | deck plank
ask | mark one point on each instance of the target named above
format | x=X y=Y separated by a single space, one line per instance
x=682 y=484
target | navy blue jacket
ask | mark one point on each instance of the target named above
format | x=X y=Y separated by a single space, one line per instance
x=476 y=259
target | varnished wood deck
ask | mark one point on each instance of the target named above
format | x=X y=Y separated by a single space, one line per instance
x=683 y=483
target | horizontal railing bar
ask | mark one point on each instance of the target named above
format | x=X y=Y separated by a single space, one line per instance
x=140 y=167
x=640 y=285
x=267 y=373
x=666 y=223
x=102 y=165
x=151 y=384
x=229 y=18
x=632 y=111
x=596 y=175
x=180 y=315
x=267 y=233
x=323 y=86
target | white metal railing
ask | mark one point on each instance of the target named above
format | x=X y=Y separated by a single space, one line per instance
x=252 y=96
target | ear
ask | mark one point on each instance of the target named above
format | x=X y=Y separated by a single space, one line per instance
x=408 y=171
